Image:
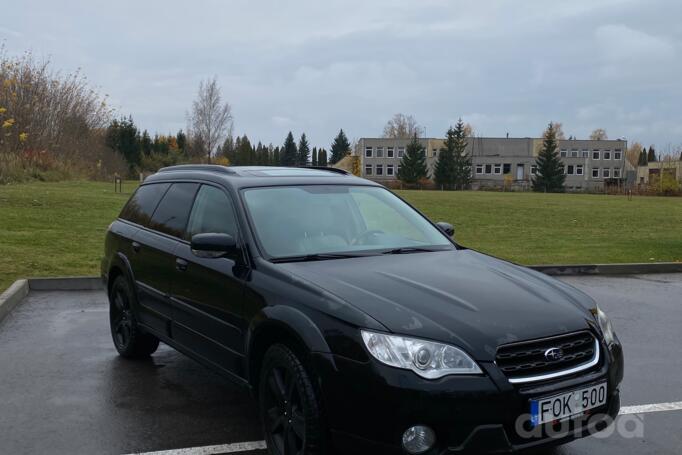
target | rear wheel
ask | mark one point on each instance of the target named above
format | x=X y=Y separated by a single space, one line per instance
x=129 y=340
x=289 y=407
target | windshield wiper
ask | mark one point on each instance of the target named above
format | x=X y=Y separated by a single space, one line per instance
x=316 y=257
x=409 y=249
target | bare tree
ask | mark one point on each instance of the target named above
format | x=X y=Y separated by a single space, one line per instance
x=402 y=126
x=598 y=135
x=633 y=153
x=211 y=119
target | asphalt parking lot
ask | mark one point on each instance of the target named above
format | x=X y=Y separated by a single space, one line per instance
x=64 y=390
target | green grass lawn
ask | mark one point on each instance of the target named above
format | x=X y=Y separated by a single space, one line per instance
x=57 y=229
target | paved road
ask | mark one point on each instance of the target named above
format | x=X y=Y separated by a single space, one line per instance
x=63 y=389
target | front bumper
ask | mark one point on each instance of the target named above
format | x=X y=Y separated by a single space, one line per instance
x=369 y=405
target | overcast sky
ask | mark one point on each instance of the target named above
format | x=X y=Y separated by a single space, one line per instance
x=317 y=66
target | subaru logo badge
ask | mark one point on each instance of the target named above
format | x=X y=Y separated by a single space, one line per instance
x=554 y=354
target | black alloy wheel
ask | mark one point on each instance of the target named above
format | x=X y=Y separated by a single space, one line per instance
x=128 y=339
x=289 y=408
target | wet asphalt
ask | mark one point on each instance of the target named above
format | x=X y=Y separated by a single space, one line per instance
x=64 y=390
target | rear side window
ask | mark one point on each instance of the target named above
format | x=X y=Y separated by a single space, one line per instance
x=170 y=217
x=212 y=213
x=141 y=205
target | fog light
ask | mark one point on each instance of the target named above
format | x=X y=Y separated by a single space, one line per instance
x=418 y=439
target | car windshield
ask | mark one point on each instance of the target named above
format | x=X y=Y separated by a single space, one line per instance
x=304 y=221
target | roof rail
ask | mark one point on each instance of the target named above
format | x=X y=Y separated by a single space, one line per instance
x=325 y=168
x=198 y=167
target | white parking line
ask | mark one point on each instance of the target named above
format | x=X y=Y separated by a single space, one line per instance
x=260 y=445
x=211 y=450
x=645 y=408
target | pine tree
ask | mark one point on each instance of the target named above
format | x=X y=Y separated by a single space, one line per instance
x=643 y=158
x=322 y=158
x=550 y=175
x=453 y=168
x=462 y=158
x=413 y=164
x=444 y=172
x=314 y=156
x=228 y=148
x=146 y=143
x=651 y=157
x=303 y=151
x=289 y=154
x=340 y=147
x=181 y=140
x=243 y=155
x=276 y=157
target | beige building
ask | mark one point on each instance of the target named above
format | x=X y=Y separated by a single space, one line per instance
x=653 y=170
x=504 y=161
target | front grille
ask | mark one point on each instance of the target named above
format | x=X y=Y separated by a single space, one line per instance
x=526 y=361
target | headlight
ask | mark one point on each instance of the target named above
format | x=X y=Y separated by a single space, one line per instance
x=604 y=325
x=428 y=359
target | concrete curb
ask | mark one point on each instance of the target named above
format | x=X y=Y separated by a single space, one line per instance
x=12 y=297
x=77 y=283
x=610 y=269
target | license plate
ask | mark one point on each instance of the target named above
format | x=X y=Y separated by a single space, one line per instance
x=567 y=404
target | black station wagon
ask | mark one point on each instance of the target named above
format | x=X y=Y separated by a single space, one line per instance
x=359 y=325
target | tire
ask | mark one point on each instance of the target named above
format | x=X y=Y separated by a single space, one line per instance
x=129 y=340
x=289 y=408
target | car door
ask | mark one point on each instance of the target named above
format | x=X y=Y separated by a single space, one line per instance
x=207 y=292
x=154 y=259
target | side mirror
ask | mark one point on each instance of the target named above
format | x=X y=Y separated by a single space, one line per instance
x=213 y=245
x=446 y=228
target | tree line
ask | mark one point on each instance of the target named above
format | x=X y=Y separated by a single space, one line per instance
x=145 y=153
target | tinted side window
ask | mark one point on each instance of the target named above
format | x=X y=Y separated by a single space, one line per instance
x=141 y=205
x=212 y=212
x=171 y=215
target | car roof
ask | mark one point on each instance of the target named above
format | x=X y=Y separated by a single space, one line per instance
x=253 y=176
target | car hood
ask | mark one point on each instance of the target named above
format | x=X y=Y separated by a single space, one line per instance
x=460 y=297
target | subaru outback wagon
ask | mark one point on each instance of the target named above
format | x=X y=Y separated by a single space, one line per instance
x=359 y=325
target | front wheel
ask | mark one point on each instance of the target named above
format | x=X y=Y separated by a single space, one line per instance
x=129 y=340
x=289 y=407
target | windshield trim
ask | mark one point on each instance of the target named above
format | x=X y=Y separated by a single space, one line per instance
x=373 y=252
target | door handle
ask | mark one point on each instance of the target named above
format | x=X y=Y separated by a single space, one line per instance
x=136 y=247
x=181 y=264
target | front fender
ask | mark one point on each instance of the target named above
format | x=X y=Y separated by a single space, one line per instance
x=286 y=320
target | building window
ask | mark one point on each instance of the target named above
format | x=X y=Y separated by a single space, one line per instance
x=368 y=169
x=618 y=154
x=479 y=169
x=401 y=152
x=574 y=153
x=595 y=154
x=616 y=173
x=607 y=173
x=389 y=152
x=579 y=169
x=488 y=168
x=564 y=153
x=435 y=152
x=569 y=169
x=506 y=168
x=607 y=154
x=389 y=169
x=380 y=153
x=586 y=153
x=498 y=169
x=380 y=169
x=533 y=169
x=595 y=173
x=368 y=152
